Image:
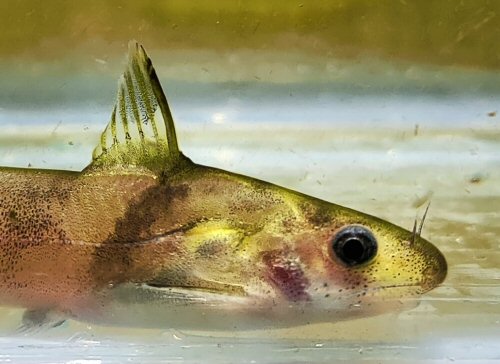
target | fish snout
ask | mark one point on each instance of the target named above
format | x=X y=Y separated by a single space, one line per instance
x=435 y=272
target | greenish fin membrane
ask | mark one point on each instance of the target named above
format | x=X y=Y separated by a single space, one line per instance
x=141 y=131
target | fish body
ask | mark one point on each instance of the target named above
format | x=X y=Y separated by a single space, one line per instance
x=145 y=237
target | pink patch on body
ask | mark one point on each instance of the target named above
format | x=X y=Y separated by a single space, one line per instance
x=287 y=275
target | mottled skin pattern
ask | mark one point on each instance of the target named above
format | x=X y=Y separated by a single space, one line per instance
x=145 y=237
x=66 y=237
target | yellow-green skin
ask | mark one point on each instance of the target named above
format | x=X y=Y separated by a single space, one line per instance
x=144 y=237
x=69 y=239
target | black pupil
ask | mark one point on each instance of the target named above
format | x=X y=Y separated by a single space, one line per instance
x=353 y=249
x=354 y=245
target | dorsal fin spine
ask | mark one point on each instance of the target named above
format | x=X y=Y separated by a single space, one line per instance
x=141 y=131
x=143 y=89
x=165 y=110
x=147 y=102
x=123 y=114
x=133 y=105
x=103 y=135
x=113 y=130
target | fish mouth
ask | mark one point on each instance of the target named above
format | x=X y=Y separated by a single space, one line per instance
x=430 y=277
x=433 y=277
x=418 y=288
x=414 y=289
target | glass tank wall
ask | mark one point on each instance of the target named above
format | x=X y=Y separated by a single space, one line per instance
x=380 y=106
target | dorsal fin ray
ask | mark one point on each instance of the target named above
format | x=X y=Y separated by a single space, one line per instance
x=141 y=131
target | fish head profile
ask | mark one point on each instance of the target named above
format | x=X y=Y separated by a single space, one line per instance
x=145 y=237
x=335 y=258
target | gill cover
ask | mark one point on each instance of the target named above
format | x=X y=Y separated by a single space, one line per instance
x=141 y=131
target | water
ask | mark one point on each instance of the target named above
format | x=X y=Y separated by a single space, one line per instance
x=383 y=169
x=378 y=135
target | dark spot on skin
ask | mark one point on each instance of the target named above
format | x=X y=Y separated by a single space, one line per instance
x=288 y=224
x=13 y=216
x=317 y=215
x=210 y=248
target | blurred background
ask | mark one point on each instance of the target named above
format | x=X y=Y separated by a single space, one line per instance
x=381 y=106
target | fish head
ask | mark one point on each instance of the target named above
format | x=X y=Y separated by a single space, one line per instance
x=339 y=259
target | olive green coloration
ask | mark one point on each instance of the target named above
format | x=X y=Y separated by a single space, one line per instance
x=145 y=237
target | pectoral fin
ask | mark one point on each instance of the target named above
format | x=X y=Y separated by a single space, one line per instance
x=34 y=321
x=201 y=286
x=146 y=294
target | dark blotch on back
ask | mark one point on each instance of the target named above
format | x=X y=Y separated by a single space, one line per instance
x=112 y=259
x=145 y=211
x=317 y=215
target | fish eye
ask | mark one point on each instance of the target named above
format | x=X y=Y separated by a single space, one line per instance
x=354 y=245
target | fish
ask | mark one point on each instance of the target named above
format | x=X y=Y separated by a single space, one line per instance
x=145 y=237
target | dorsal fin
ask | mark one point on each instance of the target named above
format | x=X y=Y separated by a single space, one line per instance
x=141 y=131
